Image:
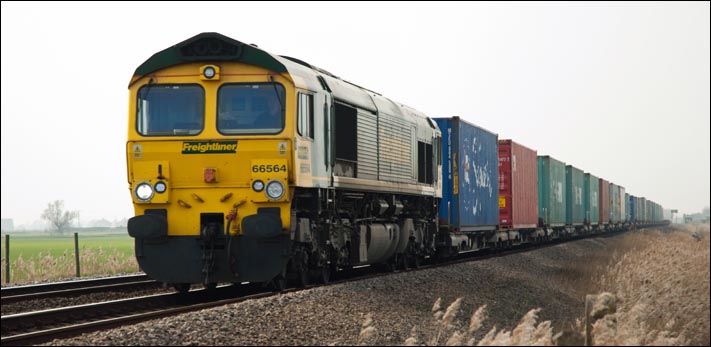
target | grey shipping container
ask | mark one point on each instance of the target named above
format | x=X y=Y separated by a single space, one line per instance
x=574 y=186
x=551 y=191
x=470 y=185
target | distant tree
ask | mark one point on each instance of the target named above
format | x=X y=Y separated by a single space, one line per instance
x=102 y=223
x=59 y=219
x=120 y=223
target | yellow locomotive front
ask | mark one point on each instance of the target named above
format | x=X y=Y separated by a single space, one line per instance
x=210 y=162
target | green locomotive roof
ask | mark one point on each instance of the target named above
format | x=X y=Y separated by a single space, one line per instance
x=209 y=47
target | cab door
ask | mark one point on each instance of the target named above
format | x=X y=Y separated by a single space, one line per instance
x=313 y=150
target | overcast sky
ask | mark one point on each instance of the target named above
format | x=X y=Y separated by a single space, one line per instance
x=620 y=90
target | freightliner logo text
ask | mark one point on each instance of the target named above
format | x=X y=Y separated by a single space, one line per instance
x=206 y=147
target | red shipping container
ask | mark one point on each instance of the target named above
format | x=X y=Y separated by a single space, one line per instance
x=518 y=186
x=604 y=202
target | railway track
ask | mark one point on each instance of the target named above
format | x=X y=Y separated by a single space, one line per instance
x=77 y=288
x=41 y=326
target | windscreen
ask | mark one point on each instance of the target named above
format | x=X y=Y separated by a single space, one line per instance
x=170 y=110
x=250 y=109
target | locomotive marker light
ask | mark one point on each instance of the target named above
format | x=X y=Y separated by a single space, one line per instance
x=209 y=72
x=160 y=187
x=258 y=186
x=275 y=190
x=144 y=191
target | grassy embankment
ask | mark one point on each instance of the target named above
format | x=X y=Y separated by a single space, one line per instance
x=39 y=256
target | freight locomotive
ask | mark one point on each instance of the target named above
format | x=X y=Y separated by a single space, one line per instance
x=245 y=166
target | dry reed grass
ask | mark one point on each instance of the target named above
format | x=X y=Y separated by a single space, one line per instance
x=93 y=261
x=446 y=329
x=662 y=289
x=659 y=295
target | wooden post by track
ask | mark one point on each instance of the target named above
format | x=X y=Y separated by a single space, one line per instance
x=76 y=252
x=7 y=258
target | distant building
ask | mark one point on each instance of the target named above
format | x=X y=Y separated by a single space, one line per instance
x=704 y=216
x=8 y=224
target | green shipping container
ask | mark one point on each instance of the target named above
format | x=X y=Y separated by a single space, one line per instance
x=551 y=191
x=592 y=199
x=614 y=203
x=574 y=186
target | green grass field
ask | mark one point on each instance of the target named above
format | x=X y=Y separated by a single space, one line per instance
x=36 y=257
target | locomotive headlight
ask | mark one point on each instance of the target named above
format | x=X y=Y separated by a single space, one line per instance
x=160 y=187
x=209 y=72
x=275 y=190
x=258 y=186
x=144 y=191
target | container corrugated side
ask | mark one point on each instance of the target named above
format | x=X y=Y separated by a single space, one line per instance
x=471 y=200
x=551 y=191
x=450 y=175
x=625 y=206
x=592 y=199
x=614 y=203
x=604 y=203
x=518 y=186
x=574 y=186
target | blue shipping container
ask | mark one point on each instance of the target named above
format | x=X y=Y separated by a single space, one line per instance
x=470 y=187
x=632 y=210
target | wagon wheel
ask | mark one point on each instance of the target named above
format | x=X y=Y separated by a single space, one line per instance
x=182 y=288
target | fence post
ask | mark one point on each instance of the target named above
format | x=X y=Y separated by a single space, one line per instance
x=76 y=251
x=7 y=258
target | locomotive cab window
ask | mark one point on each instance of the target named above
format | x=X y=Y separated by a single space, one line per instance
x=170 y=110
x=306 y=115
x=250 y=109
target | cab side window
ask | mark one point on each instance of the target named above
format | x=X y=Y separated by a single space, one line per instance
x=306 y=115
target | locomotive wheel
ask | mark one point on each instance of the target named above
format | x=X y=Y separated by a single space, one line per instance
x=182 y=288
x=415 y=261
x=304 y=276
x=302 y=269
x=279 y=283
